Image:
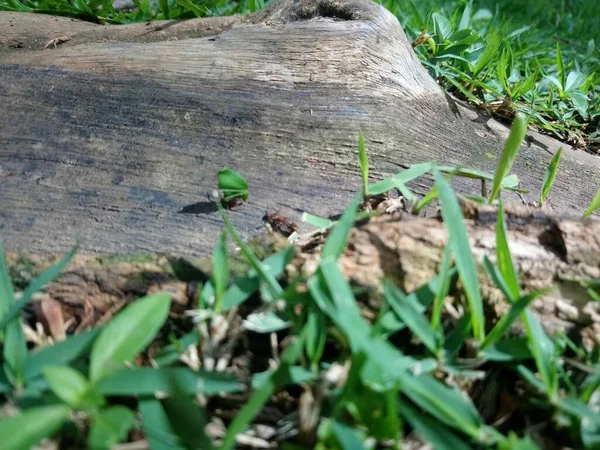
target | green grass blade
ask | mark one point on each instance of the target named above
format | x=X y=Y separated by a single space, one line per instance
x=336 y=241
x=409 y=313
x=220 y=271
x=400 y=179
x=363 y=162
x=562 y=73
x=507 y=320
x=7 y=298
x=346 y=437
x=147 y=381
x=511 y=148
x=505 y=262
x=459 y=243
x=507 y=350
x=543 y=351
x=242 y=288
x=156 y=426
x=127 y=334
x=316 y=221
x=29 y=428
x=594 y=205
x=109 y=427
x=39 y=282
x=550 y=176
x=64 y=352
x=273 y=285
x=440 y=295
x=431 y=431
x=187 y=419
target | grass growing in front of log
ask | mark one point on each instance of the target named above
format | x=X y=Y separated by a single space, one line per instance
x=341 y=376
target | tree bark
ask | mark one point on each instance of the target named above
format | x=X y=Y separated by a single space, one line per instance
x=113 y=135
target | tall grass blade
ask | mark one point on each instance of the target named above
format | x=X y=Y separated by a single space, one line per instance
x=363 y=162
x=550 y=176
x=273 y=285
x=459 y=243
x=505 y=262
x=511 y=148
x=336 y=241
x=594 y=205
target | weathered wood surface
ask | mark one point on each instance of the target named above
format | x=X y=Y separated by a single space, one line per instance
x=115 y=136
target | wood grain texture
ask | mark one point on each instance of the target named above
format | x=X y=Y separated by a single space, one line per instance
x=115 y=136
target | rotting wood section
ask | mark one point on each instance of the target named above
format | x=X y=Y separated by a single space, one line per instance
x=115 y=135
x=548 y=251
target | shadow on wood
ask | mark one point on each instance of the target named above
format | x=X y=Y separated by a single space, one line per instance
x=114 y=136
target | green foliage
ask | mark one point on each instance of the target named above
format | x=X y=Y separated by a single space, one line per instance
x=128 y=334
x=30 y=427
x=506 y=62
x=232 y=185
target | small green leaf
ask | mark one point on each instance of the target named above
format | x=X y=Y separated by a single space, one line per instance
x=63 y=353
x=295 y=375
x=109 y=427
x=316 y=221
x=128 y=334
x=232 y=185
x=459 y=243
x=550 y=176
x=561 y=68
x=265 y=322
x=72 y=387
x=30 y=427
x=171 y=353
x=594 y=205
x=511 y=148
x=363 y=162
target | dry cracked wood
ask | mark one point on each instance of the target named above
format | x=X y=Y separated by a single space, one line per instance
x=113 y=134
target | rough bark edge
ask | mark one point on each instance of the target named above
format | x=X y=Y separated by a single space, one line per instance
x=548 y=251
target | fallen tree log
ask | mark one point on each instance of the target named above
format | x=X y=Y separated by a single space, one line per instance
x=113 y=135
